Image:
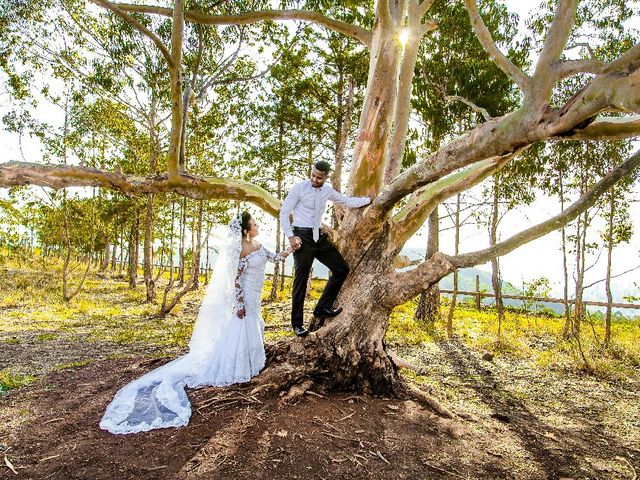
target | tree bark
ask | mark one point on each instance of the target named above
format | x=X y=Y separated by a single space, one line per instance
x=495 y=267
x=456 y=247
x=149 y=279
x=134 y=239
x=610 y=219
x=181 y=251
x=565 y=270
x=428 y=310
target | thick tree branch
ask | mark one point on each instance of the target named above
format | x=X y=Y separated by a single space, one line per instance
x=568 y=68
x=405 y=285
x=61 y=176
x=627 y=63
x=421 y=204
x=359 y=33
x=483 y=34
x=505 y=135
x=583 y=203
x=558 y=33
x=605 y=129
x=421 y=8
x=120 y=12
x=544 y=77
x=384 y=12
x=496 y=138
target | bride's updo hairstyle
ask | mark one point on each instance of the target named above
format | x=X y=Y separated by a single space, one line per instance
x=245 y=219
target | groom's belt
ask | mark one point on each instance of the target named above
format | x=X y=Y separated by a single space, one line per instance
x=303 y=229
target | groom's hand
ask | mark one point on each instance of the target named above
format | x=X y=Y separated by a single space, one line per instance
x=295 y=242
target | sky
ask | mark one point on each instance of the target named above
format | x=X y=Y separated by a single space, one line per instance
x=540 y=258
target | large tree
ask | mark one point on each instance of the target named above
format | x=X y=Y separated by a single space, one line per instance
x=349 y=352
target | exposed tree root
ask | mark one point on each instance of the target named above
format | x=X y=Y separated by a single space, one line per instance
x=413 y=392
x=402 y=363
x=301 y=365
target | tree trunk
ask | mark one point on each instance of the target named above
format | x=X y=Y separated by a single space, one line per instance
x=456 y=247
x=134 y=238
x=495 y=267
x=607 y=318
x=121 y=261
x=106 y=255
x=181 y=259
x=343 y=124
x=197 y=248
x=350 y=346
x=276 y=268
x=149 y=280
x=309 y=284
x=282 y=265
x=208 y=267
x=428 y=310
x=578 y=311
x=565 y=269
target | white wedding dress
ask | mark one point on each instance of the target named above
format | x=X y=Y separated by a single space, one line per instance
x=224 y=349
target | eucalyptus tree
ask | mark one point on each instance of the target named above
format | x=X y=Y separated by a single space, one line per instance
x=349 y=351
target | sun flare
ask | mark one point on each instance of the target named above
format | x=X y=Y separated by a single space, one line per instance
x=403 y=37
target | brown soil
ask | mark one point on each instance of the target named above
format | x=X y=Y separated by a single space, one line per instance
x=576 y=427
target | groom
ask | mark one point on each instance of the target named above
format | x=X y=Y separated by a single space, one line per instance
x=308 y=200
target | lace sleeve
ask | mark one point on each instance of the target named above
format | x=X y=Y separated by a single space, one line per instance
x=242 y=264
x=272 y=257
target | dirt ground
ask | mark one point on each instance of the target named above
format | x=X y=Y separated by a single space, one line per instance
x=512 y=420
x=510 y=423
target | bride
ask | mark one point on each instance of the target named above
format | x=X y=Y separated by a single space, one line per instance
x=226 y=346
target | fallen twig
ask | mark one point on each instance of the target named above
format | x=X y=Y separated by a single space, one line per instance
x=379 y=455
x=347 y=416
x=311 y=392
x=10 y=465
x=48 y=458
x=328 y=434
x=157 y=468
x=441 y=470
x=53 y=420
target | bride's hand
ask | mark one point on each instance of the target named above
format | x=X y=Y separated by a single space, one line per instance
x=241 y=313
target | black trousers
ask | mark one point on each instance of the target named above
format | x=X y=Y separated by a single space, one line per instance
x=303 y=258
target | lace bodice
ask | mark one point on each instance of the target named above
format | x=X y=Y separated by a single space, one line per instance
x=250 y=279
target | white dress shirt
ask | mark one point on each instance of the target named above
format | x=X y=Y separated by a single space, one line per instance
x=309 y=203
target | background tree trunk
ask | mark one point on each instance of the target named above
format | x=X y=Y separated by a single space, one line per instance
x=134 y=239
x=610 y=220
x=456 y=247
x=428 y=310
x=495 y=267
x=149 y=280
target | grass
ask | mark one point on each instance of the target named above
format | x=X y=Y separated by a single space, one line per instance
x=77 y=364
x=536 y=337
x=10 y=380
x=107 y=310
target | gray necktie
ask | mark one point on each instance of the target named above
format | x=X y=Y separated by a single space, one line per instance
x=316 y=215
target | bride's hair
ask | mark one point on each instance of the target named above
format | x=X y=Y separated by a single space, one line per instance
x=245 y=219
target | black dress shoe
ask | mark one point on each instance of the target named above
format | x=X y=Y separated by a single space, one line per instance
x=300 y=331
x=327 y=312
